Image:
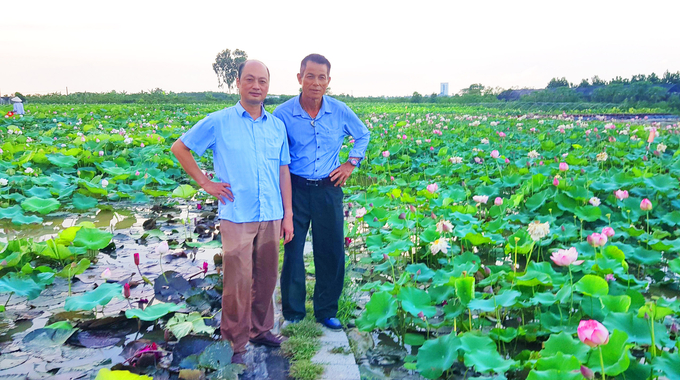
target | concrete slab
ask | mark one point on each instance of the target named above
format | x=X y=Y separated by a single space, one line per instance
x=338 y=366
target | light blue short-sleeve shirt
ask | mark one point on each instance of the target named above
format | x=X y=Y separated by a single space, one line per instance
x=315 y=143
x=247 y=154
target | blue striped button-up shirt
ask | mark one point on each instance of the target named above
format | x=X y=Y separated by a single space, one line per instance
x=247 y=154
x=315 y=143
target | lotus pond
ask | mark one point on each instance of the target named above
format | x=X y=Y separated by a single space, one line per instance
x=490 y=245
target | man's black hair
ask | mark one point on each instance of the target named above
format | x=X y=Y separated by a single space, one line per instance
x=316 y=58
x=243 y=64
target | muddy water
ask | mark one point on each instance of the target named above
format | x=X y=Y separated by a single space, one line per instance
x=89 y=350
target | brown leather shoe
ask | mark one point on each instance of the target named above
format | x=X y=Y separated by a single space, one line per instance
x=268 y=339
x=238 y=358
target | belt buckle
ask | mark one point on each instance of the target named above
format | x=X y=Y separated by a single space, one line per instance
x=313 y=182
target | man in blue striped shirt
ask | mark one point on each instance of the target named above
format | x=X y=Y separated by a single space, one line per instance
x=250 y=156
x=317 y=126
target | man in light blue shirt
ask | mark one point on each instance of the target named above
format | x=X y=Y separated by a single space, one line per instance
x=317 y=126
x=250 y=157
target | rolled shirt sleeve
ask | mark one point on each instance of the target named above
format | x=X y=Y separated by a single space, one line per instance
x=201 y=136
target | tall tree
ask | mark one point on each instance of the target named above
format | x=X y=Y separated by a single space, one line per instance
x=226 y=67
x=558 y=82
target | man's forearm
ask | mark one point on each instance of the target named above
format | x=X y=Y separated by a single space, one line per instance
x=183 y=154
x=360 y=146
x=286 y=191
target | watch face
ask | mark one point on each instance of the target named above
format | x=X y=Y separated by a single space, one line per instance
x=354 y=162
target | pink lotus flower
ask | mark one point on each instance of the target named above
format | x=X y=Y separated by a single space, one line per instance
x=592 y=333
x=556 y=181
x=205 y=267
x=495 y=154
x=609 y=277
x=386 y=153
x=431 y=149
x=621 y=194
x=645 y=205
x=597 y=240
x=432 y=188
x=361 y=212
x=106 y=274
x=126 y=290
x=137 y=172
x=481 y=198
x=507 y=160
x=565 y=257
x=595 y=201
x=498 y=201
x=608 y=232
x=141 y=145
x=652 y=135
x=501 y=134
x=136 y=256
x=564 y=167
x=162 y=248
x=101 y=153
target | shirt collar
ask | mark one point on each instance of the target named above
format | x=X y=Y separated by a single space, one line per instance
x=242 y=111
x=298 y=111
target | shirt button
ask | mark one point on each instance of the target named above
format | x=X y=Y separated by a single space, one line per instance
x=317 y=159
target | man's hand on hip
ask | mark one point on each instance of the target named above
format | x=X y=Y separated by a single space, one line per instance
x=339 y=176
x=219 y=190
x=287 y=229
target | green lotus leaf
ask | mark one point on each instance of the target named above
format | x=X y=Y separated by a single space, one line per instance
x=26 y=219
x=615 y=354
x=21 y=286
x=662 y=183
x=480 y=352
x=465 y=289
x=588 y=213
x=39 y=192
x=92 y=238
x=503 y=334
x=593 y=286
x=11 y=212
x=669 y=364
x=107 y=374
x=69 y=272
x=83 y=202
x=216 y=356
x=55 y=251
x=97 y=297
x=637 y=329
x=62 y=161
x=39 y=205
x=537 y=200
x=379 y=309
x=47 y=337
x=415 y=301
x=182 y=324
x=437 y=355
x=617 y=304
x=425 y=273
x=184 y=191
x=153 y=312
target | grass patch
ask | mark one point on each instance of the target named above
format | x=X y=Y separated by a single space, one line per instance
x=340 y=350
x=306 y=370
x=347 y=304
x=306 y=328
x=300 y=348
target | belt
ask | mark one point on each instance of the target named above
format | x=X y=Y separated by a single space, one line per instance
x=310 y=182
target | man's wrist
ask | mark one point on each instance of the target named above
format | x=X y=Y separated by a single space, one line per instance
x=354 y=161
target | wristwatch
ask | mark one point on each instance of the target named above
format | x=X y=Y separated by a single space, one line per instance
x=355 y=162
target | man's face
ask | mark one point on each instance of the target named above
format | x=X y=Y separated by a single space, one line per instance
x=314 y=80
x=254 y=83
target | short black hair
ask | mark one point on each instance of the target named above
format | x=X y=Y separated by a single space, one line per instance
x=243 y=64
x=316 y=58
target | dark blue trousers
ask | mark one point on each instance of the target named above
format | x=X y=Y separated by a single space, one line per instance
x=321 y=205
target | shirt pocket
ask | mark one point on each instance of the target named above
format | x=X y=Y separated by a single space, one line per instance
x=330 y=135
x=272 y=149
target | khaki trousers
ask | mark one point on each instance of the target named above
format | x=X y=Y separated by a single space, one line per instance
x=250 y=265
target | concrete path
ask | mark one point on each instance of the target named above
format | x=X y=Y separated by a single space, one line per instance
x=339 y=366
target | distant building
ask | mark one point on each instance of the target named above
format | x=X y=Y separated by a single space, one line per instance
x=444 y=89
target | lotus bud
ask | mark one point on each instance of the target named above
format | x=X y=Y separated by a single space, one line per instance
x=444 y=303
x=402 y=216
x=126 y=290
x=488 y=290
x=349 y=205
x=136 y=256
x=205 y=267
x=348 y=241
x=3 y=263
x=413 y=209
x=487 y=271
x=432 y=215
x=375 y=218
x=198 y=206
x=370 y=205
x=385 y=256
x=587 y=373
x=418 y=272
x=674 y=328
